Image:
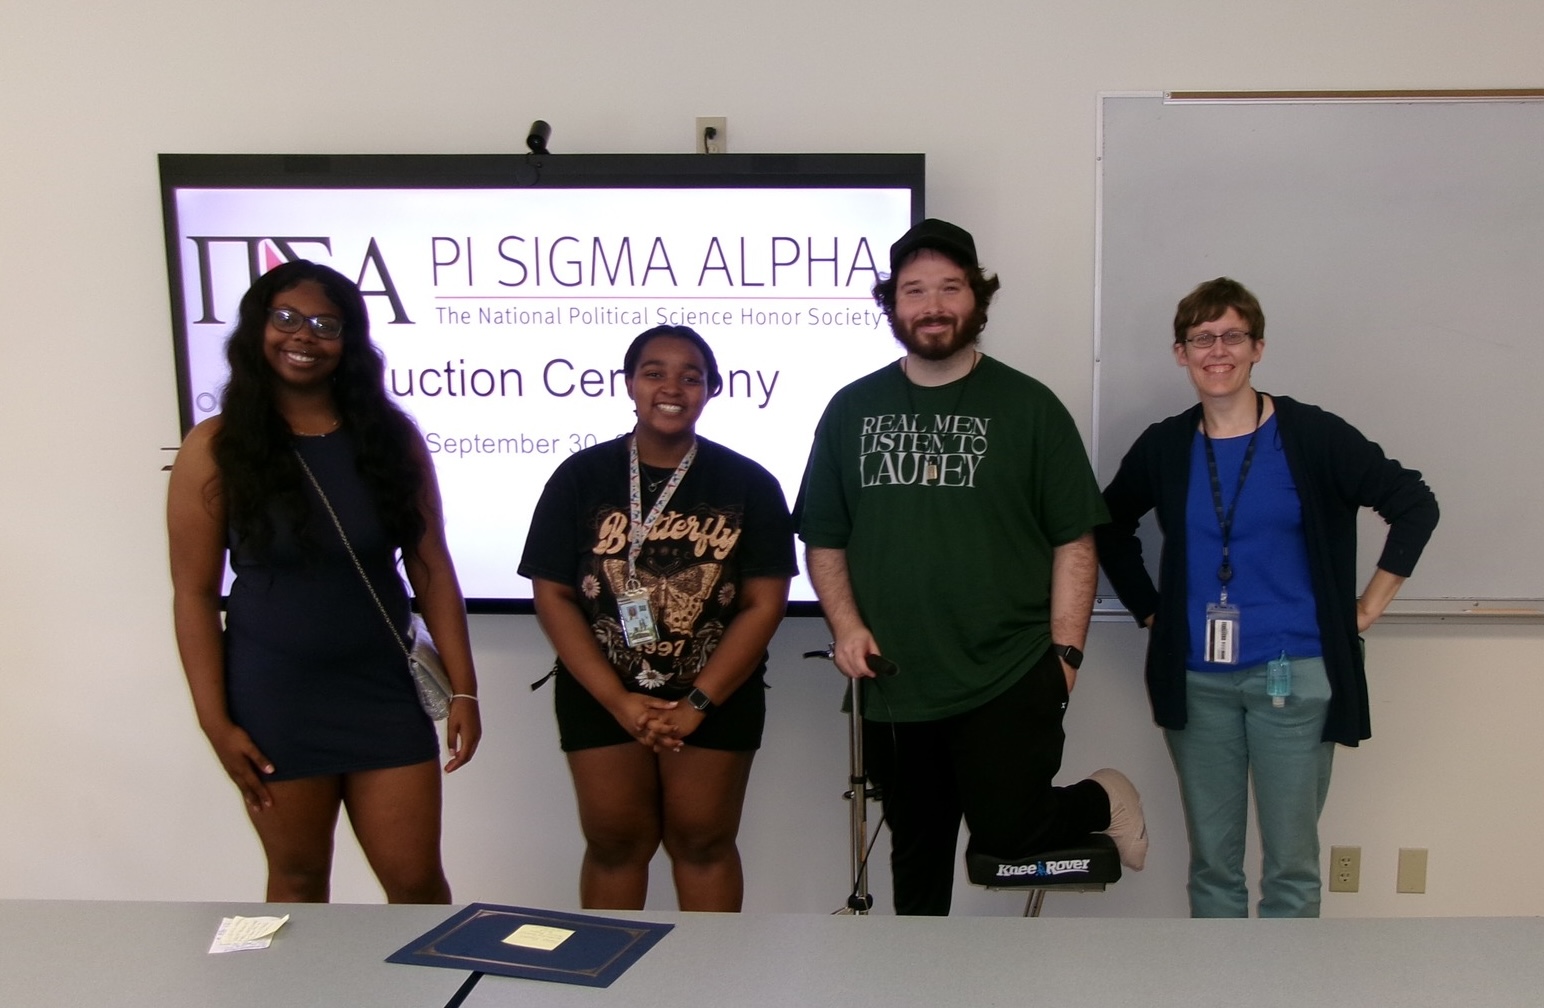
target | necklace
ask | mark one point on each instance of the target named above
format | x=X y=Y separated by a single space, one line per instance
x=975 y=358
x=321 y=433
x=931 y=471
x=653 y=477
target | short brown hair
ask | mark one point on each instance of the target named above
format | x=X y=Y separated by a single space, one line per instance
x=1211 y=300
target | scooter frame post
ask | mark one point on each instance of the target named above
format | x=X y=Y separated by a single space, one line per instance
x=859 y=900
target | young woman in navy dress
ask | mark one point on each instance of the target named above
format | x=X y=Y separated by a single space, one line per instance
x=303 y=693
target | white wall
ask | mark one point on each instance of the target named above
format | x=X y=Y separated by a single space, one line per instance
x=106 y=787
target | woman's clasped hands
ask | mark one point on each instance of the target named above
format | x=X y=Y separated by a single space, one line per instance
x=662 y=725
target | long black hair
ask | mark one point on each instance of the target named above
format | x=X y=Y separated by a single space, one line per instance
x=259 y=476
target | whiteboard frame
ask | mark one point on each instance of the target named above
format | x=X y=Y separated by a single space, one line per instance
x=1465 y=609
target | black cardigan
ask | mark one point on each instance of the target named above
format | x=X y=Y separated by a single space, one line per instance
x=1337 y=472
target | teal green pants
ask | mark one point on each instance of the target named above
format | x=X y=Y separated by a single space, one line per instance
x=1233 y=735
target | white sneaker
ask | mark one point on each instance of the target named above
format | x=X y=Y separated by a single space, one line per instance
x=1128 y=827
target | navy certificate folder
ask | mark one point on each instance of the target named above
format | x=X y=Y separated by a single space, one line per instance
x=599 y=950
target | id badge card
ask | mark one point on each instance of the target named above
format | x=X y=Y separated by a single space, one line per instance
x=637 y=618
x=1222 y=633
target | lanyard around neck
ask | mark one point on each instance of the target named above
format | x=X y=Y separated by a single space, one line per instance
x=1225 y=519
x=638 y=525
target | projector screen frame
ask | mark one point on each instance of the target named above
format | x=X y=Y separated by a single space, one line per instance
x=180 y=172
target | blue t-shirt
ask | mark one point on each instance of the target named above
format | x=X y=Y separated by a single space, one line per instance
x=1271 y=585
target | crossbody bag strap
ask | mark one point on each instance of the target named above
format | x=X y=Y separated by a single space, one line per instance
x=351 y=555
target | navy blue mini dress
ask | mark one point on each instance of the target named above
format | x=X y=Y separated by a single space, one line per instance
x=312 y=673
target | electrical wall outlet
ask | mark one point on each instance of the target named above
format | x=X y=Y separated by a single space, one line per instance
x=1412 y=870
x=712 y=134
x=1345 y=869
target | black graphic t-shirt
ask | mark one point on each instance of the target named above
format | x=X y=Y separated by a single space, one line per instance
x=727 y=521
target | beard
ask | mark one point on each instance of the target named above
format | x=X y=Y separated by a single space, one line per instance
x=966 y=332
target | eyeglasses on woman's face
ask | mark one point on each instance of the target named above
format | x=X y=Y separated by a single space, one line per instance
x=1206 y=340
x=288 y=320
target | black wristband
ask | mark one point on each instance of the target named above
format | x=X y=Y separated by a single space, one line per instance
x=1069 y=654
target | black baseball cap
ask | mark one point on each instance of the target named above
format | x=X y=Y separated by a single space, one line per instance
x=950 y=239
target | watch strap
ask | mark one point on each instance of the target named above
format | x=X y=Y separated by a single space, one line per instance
x=1069 y=654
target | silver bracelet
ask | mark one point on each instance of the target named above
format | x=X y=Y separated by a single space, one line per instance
x=463 y=696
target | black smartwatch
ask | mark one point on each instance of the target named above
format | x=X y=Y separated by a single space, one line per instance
x=700 y=700
x=1069 y=654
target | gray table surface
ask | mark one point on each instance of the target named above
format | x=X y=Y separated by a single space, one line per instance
x=129 y=954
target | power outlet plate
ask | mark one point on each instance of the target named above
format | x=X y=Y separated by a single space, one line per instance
x=718 y=143
x=1345 y=869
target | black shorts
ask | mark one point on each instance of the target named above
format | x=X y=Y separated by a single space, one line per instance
x=734 y=725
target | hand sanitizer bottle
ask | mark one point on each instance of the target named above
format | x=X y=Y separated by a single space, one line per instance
x=1278 y=680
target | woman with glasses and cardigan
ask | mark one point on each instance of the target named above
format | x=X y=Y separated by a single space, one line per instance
x=1254 y=663
x=304 y=693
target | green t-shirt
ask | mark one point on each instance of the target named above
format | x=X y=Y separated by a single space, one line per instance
x=949 y=502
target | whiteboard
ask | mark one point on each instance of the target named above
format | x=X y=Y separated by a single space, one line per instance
x=1397 y=249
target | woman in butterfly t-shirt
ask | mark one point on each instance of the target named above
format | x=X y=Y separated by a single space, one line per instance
x=661 y=564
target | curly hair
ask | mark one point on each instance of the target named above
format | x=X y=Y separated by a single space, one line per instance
x=982 y=285
x=259 y=477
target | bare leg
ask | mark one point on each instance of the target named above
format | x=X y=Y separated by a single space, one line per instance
x=396 y=817
x=617 y=788
x=704 y=791
x=296 y=834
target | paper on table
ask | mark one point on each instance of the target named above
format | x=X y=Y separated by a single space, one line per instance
x=237 y=934
x=538 y=936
